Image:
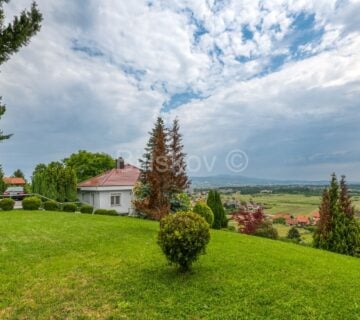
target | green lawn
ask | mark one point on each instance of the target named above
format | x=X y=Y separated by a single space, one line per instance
x=58 y=265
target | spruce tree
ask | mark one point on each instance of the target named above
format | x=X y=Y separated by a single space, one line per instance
x=14 y=36
x=2 y=182
x=179 y=179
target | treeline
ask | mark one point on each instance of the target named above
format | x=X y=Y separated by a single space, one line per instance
x=58 y=180
x=55 y=181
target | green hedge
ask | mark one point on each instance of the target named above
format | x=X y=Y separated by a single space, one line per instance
x=51 y=205
x=69 y=207
x=87 y=209
x=7 y=204
x=106 y=212
x=31 y=203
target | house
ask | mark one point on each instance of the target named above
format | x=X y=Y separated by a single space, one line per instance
x=289 y=220
x=112 y=189
x=302 y=220
x=14 y=181
x=316 y=217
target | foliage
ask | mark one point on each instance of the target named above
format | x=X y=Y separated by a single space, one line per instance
x=180 y=202
x=249 y=221
x=266 y=230
x=55 y=181
x=69 y=207
x=163 y=171
x=87 y=164
x=31 y=203
x=183 y=236
x=294 y=234
x=93 y=267
x=18 y=174
x=338 y=229
x=51 y=205
x=202 y=209
x=2 y=183
x=87 y=209
x=14 y=36
x=7 y=204
x=216 y=206
x=279 y=220
x=105 y=212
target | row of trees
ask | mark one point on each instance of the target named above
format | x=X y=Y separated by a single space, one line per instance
x=338 y=229
x=163 y=171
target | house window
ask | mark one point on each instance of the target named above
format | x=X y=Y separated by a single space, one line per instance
x=115 y=199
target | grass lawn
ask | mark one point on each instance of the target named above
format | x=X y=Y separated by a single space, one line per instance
x=59 y=265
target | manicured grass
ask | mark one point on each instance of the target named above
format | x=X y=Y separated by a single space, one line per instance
x=72 y=266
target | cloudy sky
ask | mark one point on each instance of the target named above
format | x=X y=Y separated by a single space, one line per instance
x=278 y=80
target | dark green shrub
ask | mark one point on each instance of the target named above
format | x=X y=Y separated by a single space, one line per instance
x=202 y=209
x=279 y=221
x=87 y=209
x=214 y=202
x=266 y=230
x=100 y=211
x=7 y=204
x=69 y=207
x=105 y=212
x=294 y=234
x=51 y=205
x=112 y=213
x=31 y=203
x=183 y=236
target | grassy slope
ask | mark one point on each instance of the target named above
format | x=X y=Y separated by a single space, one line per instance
x=78 y=266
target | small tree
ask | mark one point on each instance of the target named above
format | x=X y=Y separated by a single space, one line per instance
x=2 y=182
x=18 y=174
x=248 y=221
x=183 y=237
x=294 y=234
x=215 y=204
x=202 y=209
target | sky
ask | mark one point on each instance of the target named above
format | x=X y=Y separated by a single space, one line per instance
x=267 y=89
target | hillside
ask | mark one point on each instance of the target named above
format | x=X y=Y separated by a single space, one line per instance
x=58 y=265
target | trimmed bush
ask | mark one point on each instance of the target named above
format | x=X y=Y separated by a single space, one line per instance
x=69 y=207
x=105 y=212
x=183 y=236
x=31 y=203
x=51 y=205
x=7 y=204
x=87 y=209
x=202 y=209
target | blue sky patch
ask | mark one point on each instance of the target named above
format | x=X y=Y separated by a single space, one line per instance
x=179 y=99
x=90 y=50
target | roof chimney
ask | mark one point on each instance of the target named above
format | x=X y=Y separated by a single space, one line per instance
x=120 y=163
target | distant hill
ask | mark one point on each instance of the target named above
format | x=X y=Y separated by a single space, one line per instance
x=236 y=181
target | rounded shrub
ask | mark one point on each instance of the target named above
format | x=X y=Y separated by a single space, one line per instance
x=266 y=230
x=112 y=213
x=51 y=205
x=294 y=234
x=7 y=204
x=87 y=209
x=183 y=236
x=69 y=207
x=100 y=211
x=202 y=209
x=31 y=203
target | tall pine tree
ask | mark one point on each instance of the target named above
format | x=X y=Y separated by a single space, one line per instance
x=178 y=176
x=14 y=36
x=338 y=230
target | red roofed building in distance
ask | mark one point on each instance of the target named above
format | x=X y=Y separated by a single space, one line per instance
x=111 y=190
x=302 y=220
x=316 y=217
x=15 y=182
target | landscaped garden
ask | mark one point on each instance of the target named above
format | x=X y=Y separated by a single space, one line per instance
x=64 y=265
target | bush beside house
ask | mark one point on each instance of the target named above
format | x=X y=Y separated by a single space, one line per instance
x=7 y=204
x=31 y=203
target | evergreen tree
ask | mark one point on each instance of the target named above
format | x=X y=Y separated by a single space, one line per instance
x=2 y=182
x=338 y=229
x=16 y=35
x=294 y=234
x=18 y=174
x=178 y=176
x=215 y=204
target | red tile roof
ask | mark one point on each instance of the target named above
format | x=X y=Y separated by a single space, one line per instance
x=316 y=214
x=302 y=219
x=115 y=177
x=14 y=181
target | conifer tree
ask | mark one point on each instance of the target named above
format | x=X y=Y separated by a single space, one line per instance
x=2 y=183
x=14 y=36
x=18 y=174
x=215 y=204
x=338 y=229
x=179 y=179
